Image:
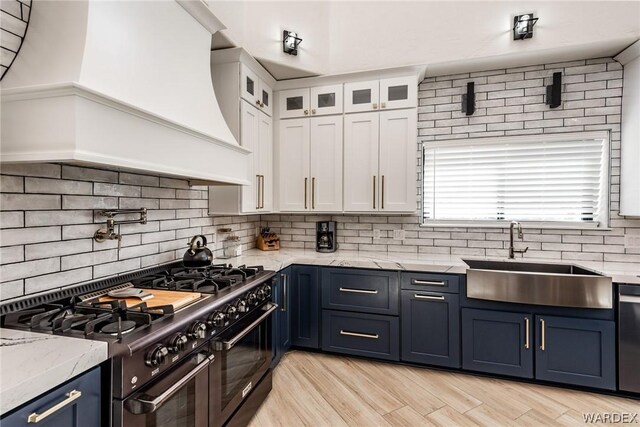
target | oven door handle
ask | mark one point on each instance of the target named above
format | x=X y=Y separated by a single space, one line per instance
x=228 y=344
x=145 y=404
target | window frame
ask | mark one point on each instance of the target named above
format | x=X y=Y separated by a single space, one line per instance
x=603 y=222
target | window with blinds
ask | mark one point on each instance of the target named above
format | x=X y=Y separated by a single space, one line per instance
x=541 y=178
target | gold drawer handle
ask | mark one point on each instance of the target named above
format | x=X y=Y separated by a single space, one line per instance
x=428 y=282
x=71 y=396
x=359 y=335
x=431 y=297
x=526 y=333
x=359 y=291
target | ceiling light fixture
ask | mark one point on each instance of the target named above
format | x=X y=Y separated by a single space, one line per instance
x=523 y=26
x=290 y=42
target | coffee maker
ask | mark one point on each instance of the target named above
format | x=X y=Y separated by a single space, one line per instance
x=326 y=236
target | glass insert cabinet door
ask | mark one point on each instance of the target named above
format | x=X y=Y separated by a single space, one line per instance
x=250 y=86
x=361 y=96
x=326 y=100
x=294 y=103
x=398 y=92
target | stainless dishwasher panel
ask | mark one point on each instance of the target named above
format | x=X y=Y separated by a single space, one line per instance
x=629 y=338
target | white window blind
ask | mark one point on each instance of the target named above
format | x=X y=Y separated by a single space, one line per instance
x=538 y=178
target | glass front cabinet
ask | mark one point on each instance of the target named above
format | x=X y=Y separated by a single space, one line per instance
x=385 y=94
x=316 y=101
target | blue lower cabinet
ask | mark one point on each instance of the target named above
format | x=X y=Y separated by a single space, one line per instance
x=370 y=335
x=576 y=351
x=305 y=306
x=77 y=402
x=430 y=328
x=282 y=316
x=497 y=342
x=365 y=291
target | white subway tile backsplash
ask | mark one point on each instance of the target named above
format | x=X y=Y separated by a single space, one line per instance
x=88 y=174
x=53 y=249
x=23 y=236
x=56 y=186
x=56 y=280
x=22 y=202
x=11 y=219
x=20 y=270
x=89 y=202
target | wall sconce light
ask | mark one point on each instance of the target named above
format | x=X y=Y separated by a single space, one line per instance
x=523 y=26
x=469 y=100
x=290 y=42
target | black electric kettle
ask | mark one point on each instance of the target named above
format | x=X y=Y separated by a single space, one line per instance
x=198 y=254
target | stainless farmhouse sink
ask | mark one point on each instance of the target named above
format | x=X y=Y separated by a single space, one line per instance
x=561 y=285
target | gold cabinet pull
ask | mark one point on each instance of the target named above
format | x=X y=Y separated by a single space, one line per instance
x=305 y=193
x=543 y=338
x=306 y=112
x=382 y=201
x=375 y=106
x=526 y=333
x=261 y=191
x=313 y=193
x=359 y=291
x=383 y=105
x=71 y=396
x=428 y=282
x=374 y=191
x=431 y=297
x=358 y=334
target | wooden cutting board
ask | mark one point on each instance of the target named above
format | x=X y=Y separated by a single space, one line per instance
x=160 y=297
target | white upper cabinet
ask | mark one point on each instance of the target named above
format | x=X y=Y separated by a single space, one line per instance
x=398 y=158
x=385 y=94
x=399 y=92
x=255 y=91
x=310 y=164
x=293 y=150
x=361 y=162
x=265 y=166
x=380 y=156
x=294 y=103
x=326 y=164
x=326 y=100
x=250 y=120
x=245 y=96
x=361 y=96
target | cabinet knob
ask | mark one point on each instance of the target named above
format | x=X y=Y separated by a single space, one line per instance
x=313 y=111
x=306 y=112
x=258 y=102
x=262 y=104
x=375 y=106
x=383 y=105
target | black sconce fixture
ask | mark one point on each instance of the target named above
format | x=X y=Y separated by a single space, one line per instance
x=523 y=26
x=290 y=42
x=554 y=91
x=469 y=100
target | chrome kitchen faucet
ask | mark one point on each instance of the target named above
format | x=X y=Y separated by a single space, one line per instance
x=513 y=251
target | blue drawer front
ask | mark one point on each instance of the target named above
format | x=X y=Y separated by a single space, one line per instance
x=369 y=335
x=81 y=412
x=449 y=283
x=365 y=291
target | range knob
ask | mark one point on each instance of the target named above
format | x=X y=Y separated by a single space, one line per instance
x=156 y=356
x=230 y=311
x=178 y=343
x=241 y=305
x=217 y=319
x=253 y=298
x=264 y=292
x=197 y=330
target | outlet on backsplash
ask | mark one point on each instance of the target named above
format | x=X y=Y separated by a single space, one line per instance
x=398 y=234
x=631 y=241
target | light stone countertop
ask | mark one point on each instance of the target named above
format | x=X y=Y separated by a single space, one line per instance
x=33 y=363
x=453 y=264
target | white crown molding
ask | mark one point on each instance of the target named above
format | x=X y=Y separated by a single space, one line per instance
x=629 y=54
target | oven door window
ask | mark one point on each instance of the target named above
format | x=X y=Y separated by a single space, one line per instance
x=180 y=399
x=241 y=362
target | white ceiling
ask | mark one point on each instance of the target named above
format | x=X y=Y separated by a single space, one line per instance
x=447 y=36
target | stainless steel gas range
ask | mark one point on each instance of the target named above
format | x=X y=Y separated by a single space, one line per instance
x=203 y=362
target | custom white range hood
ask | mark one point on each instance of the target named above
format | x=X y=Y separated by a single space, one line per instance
x=125 y=84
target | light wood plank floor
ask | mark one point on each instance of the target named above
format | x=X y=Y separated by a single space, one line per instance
x=311 y=389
